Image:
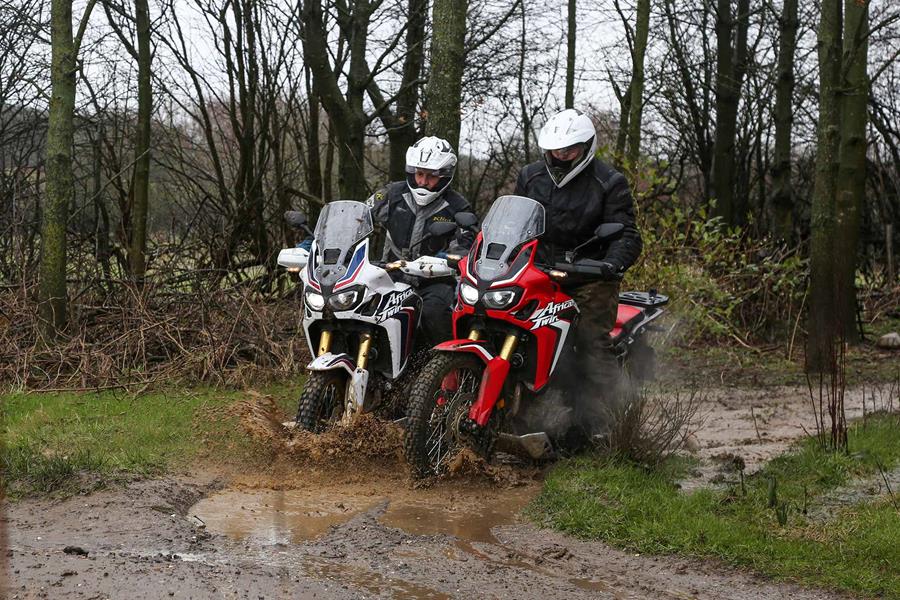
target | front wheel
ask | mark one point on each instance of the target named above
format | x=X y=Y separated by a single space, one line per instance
x=322 y=400
x=439 y=399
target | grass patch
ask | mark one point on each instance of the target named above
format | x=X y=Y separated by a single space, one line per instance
x=644 y=511
x=68 y=442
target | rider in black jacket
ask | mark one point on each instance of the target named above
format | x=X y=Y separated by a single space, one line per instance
x=579 y=192
x=407 y=208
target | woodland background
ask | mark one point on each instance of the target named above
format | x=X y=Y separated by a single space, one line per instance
x=148 y=150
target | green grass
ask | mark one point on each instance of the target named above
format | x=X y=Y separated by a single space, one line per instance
x=68 y=442
x=644 y=511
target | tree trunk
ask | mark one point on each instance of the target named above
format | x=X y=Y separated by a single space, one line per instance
x=137 y=251
x=571 y=31
x=851 y=187
x=314 y=181
x=404 y=135
x=622 y=134
x=60 y=133
x=444 y=92
x=822 y=294
x=521 y=85
x=782 y=195
x=731 y=64
x=346 y=116
x=636 y=104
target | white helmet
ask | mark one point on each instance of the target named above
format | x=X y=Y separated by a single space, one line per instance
x=434 y=154
x=562 y=130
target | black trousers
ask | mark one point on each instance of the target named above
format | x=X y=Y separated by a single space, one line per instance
x=438 y=299
x=600 y=391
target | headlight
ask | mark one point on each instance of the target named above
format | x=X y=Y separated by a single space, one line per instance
x=344 y=300
x=315 y=301
x=469 y=293
x=499 y=298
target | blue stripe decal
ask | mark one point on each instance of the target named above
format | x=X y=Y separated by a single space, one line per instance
x=358 y=258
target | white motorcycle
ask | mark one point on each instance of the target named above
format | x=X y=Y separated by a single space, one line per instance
x=359 y=322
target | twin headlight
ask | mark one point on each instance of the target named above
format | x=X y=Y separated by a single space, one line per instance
x=340 y=301
x=495 y=299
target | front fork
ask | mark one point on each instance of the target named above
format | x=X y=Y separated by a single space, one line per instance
x=356 y=390
x=365 y=345
x=495 y=373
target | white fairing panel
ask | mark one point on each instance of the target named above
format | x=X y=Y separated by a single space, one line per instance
x=563 y=327
x=392 y=313
x=329 y=361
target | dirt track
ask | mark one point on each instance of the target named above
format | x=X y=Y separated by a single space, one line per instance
x=367 y=533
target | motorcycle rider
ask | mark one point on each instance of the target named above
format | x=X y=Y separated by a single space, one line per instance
x=407 y=208
x=580 y=192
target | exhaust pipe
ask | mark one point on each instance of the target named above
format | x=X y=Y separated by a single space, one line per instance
x=533 y=445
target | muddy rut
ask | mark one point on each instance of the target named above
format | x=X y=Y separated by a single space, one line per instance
x=318 y=526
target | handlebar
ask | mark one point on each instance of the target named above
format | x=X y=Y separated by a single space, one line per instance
x=585 y=267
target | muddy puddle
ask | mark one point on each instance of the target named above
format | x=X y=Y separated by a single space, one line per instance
x=297 y=516
x=274 y=516
x=433 y=524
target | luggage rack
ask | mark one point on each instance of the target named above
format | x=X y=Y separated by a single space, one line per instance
x=645 y=299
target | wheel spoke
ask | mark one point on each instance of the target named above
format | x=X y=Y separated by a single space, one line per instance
x=439 y=441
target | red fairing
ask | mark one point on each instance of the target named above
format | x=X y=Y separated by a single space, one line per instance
x=625 y=313
x=491 y=381
x=549 y=322
x=489 y=392
x=478 y=348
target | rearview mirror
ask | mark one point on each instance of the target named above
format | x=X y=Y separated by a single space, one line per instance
x=295 y=219
x=466 y=220
x=439 y=228
x=607 y=231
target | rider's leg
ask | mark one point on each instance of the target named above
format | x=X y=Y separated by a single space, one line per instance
x=596 y=364
x=437 y=308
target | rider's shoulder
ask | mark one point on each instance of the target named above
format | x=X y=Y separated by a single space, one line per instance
x=533 y=170
x=605 y=174
x=395 y=189
x=456 y=201
x=386 y=193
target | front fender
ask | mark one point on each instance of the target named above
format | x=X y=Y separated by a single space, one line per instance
x=476 y=347
x=329 y=361
x=495 y=373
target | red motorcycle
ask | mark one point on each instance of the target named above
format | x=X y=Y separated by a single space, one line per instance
x=520 y=326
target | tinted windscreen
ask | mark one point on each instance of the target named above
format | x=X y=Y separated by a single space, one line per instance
x=341 y=225
x=511 y=221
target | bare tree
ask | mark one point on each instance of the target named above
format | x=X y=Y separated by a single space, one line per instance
x=850 y=193
x=636 y=101
x=448 y=53
x=731 y=66
x=136 y=229
x=571 y=34
x=782 y=194
x=53 y=299
x=823 y=297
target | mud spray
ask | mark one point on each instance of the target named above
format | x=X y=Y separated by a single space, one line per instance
x=366 y=448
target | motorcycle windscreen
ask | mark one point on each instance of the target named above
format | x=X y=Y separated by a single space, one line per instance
x=511 y=221
x=341 y=225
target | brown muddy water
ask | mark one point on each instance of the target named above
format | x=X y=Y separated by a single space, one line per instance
x=296 y=516
x=280 y=519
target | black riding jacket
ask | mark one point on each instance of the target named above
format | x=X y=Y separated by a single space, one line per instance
x=599 y=194
x=407 y=223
